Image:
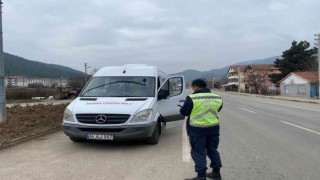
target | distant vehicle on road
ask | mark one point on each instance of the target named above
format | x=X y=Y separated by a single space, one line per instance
x=65 y=93
x=130 y=102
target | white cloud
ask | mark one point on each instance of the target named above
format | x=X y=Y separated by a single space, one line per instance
x=278 y=6
x=175 y=35
x=143 y=10
x=197 y=32
x=135 y=33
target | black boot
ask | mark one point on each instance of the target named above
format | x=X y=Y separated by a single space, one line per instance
x=215 y=174
x=201 y=176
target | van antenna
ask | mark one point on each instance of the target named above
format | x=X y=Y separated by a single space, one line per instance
x=124 y=70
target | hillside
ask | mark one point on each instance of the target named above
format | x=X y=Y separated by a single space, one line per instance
x=18 y=66
x=222 y=72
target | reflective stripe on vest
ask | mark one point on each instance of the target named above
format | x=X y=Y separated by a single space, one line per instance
x=205 y=108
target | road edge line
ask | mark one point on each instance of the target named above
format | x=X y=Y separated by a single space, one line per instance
x=186 y=149
x=271 y=97
x=306 y=129
x=247 y=110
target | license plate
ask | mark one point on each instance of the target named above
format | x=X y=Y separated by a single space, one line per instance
x=100 y=136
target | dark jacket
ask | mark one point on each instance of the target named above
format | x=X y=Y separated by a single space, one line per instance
x=197 y=131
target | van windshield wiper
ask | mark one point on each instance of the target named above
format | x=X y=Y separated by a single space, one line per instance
x=94 y=88
x=109 y=84
x=126 y=96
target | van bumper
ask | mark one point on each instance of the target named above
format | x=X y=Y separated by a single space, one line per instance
x=120 y=132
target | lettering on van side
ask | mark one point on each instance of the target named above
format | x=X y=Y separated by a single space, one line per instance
x=109 y=102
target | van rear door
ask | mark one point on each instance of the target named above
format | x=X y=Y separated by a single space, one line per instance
x=170 y=95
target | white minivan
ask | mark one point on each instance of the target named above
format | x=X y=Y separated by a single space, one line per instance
x=130 y=102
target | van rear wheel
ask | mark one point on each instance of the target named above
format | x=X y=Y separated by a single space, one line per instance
x=154 y=139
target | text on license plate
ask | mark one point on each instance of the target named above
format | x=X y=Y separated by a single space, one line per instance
x=100 y=136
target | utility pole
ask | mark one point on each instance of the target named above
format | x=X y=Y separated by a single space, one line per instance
x=318 y=44
x=239 y=79
x=2 y=86
x=86 y=66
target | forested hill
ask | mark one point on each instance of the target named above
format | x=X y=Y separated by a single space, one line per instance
x=222 y=72
x=18 y=66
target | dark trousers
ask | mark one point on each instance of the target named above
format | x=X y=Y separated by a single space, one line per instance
x=201 y=146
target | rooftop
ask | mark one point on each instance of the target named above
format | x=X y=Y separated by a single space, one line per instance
x=311 y=76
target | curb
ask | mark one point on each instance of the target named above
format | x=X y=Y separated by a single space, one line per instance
x=295 y=100
x=28 y=138
x=270 y=97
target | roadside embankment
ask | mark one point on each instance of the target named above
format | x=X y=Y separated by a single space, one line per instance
x=30 y=121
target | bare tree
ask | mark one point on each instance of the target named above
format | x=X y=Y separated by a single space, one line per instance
x=208 y=77
x=255 y=79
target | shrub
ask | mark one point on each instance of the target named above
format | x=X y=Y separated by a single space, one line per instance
x=27 y=93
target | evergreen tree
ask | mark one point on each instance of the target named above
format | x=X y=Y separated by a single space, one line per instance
x=298 y=58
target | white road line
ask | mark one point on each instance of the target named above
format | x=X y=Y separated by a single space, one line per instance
x=317 y=110
x=301 y=127
x=246 y=110
x=186 y=149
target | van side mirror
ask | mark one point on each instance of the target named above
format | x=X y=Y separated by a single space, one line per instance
x=163 y=94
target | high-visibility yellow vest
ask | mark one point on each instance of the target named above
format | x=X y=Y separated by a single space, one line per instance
x=205 y=109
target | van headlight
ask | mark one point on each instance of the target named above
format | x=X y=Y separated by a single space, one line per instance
x=68 y=116
x=142 y=116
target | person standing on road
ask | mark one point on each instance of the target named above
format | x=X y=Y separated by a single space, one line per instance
x=202 y=107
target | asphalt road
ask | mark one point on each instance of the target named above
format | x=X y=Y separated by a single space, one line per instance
x=260 y=139
x=270 y=139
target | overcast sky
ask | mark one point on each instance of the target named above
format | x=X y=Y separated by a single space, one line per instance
x=173 y=34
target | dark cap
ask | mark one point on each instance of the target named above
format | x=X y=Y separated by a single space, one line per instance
x=199 y=82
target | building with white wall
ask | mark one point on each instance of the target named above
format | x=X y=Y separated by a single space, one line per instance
x=20 y=81
x=304 y=84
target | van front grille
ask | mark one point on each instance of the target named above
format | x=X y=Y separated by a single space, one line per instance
x=107 y=118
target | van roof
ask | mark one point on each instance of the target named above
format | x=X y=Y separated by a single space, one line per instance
x=128 y=70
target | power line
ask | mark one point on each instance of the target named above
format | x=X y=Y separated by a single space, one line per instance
x=86 y=67
x=318 y=44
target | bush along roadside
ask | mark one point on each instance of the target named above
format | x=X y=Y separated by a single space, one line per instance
x=27 y=93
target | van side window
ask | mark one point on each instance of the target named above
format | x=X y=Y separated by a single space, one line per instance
x=175 y=86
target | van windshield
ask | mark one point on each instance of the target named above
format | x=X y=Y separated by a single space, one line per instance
x=120 y=87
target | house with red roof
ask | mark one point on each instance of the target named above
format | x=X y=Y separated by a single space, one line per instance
x=304 y=84
x=253 y=78
x=234 y=73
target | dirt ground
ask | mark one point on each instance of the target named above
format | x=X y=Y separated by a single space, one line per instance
x=30 y=120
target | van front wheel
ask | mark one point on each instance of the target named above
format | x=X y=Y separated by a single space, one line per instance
x=154 y=139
